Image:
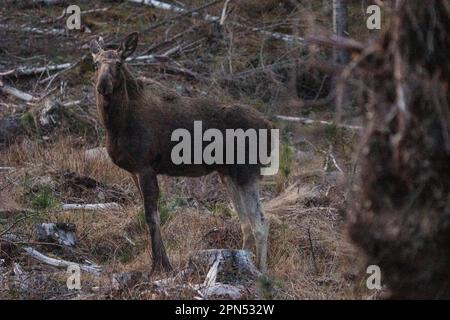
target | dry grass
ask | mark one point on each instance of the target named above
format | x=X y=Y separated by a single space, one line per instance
x=309 y=257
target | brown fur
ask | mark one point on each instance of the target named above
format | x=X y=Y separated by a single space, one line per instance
x=139 y=124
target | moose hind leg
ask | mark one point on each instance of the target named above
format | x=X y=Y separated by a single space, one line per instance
x=252 y=205
x=248 y=241
x=150 y=191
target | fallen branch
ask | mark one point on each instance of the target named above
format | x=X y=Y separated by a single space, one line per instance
x=96 y=206
x=29 y=71
x=311 y=121
x=52 y=31
x=224 y=14
x=183 y=12
x=59 y=263
x=6 y=89
x=48 y=2
x=337 y=42
x=210 y=18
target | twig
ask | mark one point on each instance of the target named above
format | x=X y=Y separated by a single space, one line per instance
x=224 y=14
x=335 y=162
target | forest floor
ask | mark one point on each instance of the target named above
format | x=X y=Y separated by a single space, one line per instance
x=310 y=256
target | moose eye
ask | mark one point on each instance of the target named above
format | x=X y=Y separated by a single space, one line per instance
x=119 y=64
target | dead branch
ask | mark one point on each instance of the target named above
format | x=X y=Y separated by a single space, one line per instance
x=59 y=263
x=29 y=71
x=92 y=207
x=303 y=120
x=6 y=89
x=224 y=14
x=47 y=2
x=337 y=42
x=169 y=7
x=210 y=18
x=48 y=31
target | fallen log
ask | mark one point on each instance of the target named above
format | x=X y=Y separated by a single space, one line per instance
x=92 y=207
x=59 y=263
x=6 y=89
x=49 y=31
x=29 y=71
x=303 y=120
x=6 y=169
x=47 y=2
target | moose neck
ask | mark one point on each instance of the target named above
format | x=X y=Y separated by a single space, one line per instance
x=114 y=109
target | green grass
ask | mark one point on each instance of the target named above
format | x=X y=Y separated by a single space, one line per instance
x=43 y=199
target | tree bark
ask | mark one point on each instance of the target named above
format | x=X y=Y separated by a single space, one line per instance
x=340 y=29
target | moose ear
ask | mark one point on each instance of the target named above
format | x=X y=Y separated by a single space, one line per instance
x=128 y=45
x=95 y=48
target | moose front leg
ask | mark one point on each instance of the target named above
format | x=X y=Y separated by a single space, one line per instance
x=150 y=192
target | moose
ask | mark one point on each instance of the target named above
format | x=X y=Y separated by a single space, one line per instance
x=139 y=124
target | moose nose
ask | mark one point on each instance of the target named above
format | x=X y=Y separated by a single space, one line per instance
x=105 y=88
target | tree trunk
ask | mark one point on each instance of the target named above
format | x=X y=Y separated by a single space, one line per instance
x=340 y=29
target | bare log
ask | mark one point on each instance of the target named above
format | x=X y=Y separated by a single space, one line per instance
x=6 y=89
x=48 y=31
x=29 y=71
x=59 y=263
x=47 y=2
x=92 y=207
x=311 y=121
